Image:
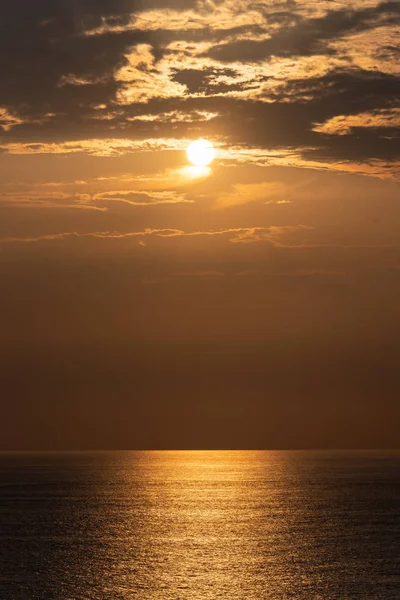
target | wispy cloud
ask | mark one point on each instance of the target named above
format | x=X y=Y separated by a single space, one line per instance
x=95 y=147
x=344 y=124
x=234 y=235
x=8 y=120
x=141 y=198
x=255 y=192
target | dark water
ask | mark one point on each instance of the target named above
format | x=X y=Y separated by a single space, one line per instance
x=200 y=525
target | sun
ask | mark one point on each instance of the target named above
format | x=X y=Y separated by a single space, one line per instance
x=200 y=153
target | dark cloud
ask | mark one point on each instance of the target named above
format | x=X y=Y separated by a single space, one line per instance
x=343 y=92
x=43 y=45
x=54 y=78
x=308 y=36
x=360 y=145
x=206 y=81
x=303 y=103
x=43 y=41
x=389 y=53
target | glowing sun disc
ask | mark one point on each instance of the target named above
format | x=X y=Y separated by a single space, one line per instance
x=200 y=153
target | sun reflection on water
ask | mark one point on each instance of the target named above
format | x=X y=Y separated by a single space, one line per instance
x=201 y=525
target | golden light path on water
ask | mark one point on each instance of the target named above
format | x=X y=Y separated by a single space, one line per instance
x=233 y=525
x=198 y=525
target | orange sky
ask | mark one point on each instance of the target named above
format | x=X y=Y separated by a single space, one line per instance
x=258 y=293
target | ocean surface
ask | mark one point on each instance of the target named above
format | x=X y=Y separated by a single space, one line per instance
x=200 y=525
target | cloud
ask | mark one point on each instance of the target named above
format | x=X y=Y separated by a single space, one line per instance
x=143 y=80
x=133 y=76
x=88 y=201
x=46 y=200
x=389 y=119
x=266 y=192
x=308 y=36
x=96 y=147
x=7 y=120
x=234 y=235
x=141 y=198
x=176 y=116
x=199 y=16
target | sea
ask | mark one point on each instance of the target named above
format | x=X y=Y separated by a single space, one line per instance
x=200 y=525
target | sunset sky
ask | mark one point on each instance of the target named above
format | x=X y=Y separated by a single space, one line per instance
x=146 y=303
